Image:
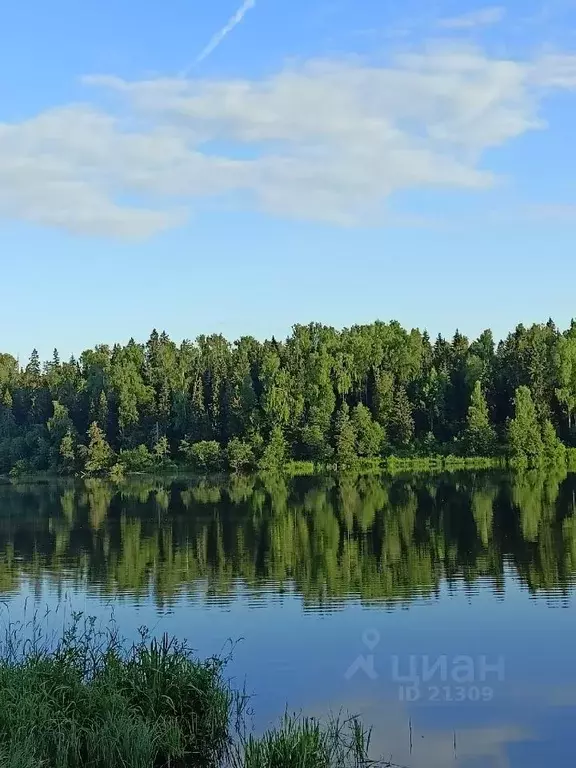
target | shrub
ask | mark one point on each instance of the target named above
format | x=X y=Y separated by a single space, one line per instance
x=137 y=459
x=240 y=455
x=204 y=456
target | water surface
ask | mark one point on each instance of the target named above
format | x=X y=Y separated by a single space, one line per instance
x=441 y=609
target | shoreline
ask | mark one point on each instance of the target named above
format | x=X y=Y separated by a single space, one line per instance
x=391 y=465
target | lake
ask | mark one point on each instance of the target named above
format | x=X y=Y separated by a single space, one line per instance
x=441 y=608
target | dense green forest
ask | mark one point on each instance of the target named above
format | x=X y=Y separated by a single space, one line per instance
x=329 y=397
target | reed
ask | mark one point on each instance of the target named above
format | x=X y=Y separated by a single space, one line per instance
x=89 y=702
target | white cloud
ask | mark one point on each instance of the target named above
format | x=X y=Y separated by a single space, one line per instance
x=57 y=169
x=480 y=18
x=326 y=140
x=556 y=70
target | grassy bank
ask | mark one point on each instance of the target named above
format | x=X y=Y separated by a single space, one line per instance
x=390 y=465
x=393 y=464
x=89 y=701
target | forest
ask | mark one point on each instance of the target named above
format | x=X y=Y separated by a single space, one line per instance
x=331 y=398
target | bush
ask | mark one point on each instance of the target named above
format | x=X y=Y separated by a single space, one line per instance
x=240 y=455
x=116 y=471
x=21 y=467
x=205 y=456
x=137 y=459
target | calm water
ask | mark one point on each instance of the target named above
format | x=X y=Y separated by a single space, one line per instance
x=442 y=610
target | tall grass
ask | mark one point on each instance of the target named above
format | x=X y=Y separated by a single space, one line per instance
x=300 y=742
x=88 y=700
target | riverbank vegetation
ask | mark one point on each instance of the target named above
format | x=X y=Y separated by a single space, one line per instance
x=327 y=398
x=86 y=701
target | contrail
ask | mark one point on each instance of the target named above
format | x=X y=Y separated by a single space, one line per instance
x=224 y=32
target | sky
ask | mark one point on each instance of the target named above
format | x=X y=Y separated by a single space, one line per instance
x=237 y=168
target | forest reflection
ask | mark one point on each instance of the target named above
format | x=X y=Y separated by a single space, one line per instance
x=332 y=539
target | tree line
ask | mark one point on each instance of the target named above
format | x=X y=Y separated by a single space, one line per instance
x=324 y=396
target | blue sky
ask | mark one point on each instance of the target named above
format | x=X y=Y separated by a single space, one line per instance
x=329 y=160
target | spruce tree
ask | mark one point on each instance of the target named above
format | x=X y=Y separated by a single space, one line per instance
x=99 y=455
x=479 y=435
x=553 y=450
x=524 y=434
x=161 y=451
x=33 y=370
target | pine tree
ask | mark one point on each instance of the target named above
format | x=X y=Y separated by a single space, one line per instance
x=479 y=436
